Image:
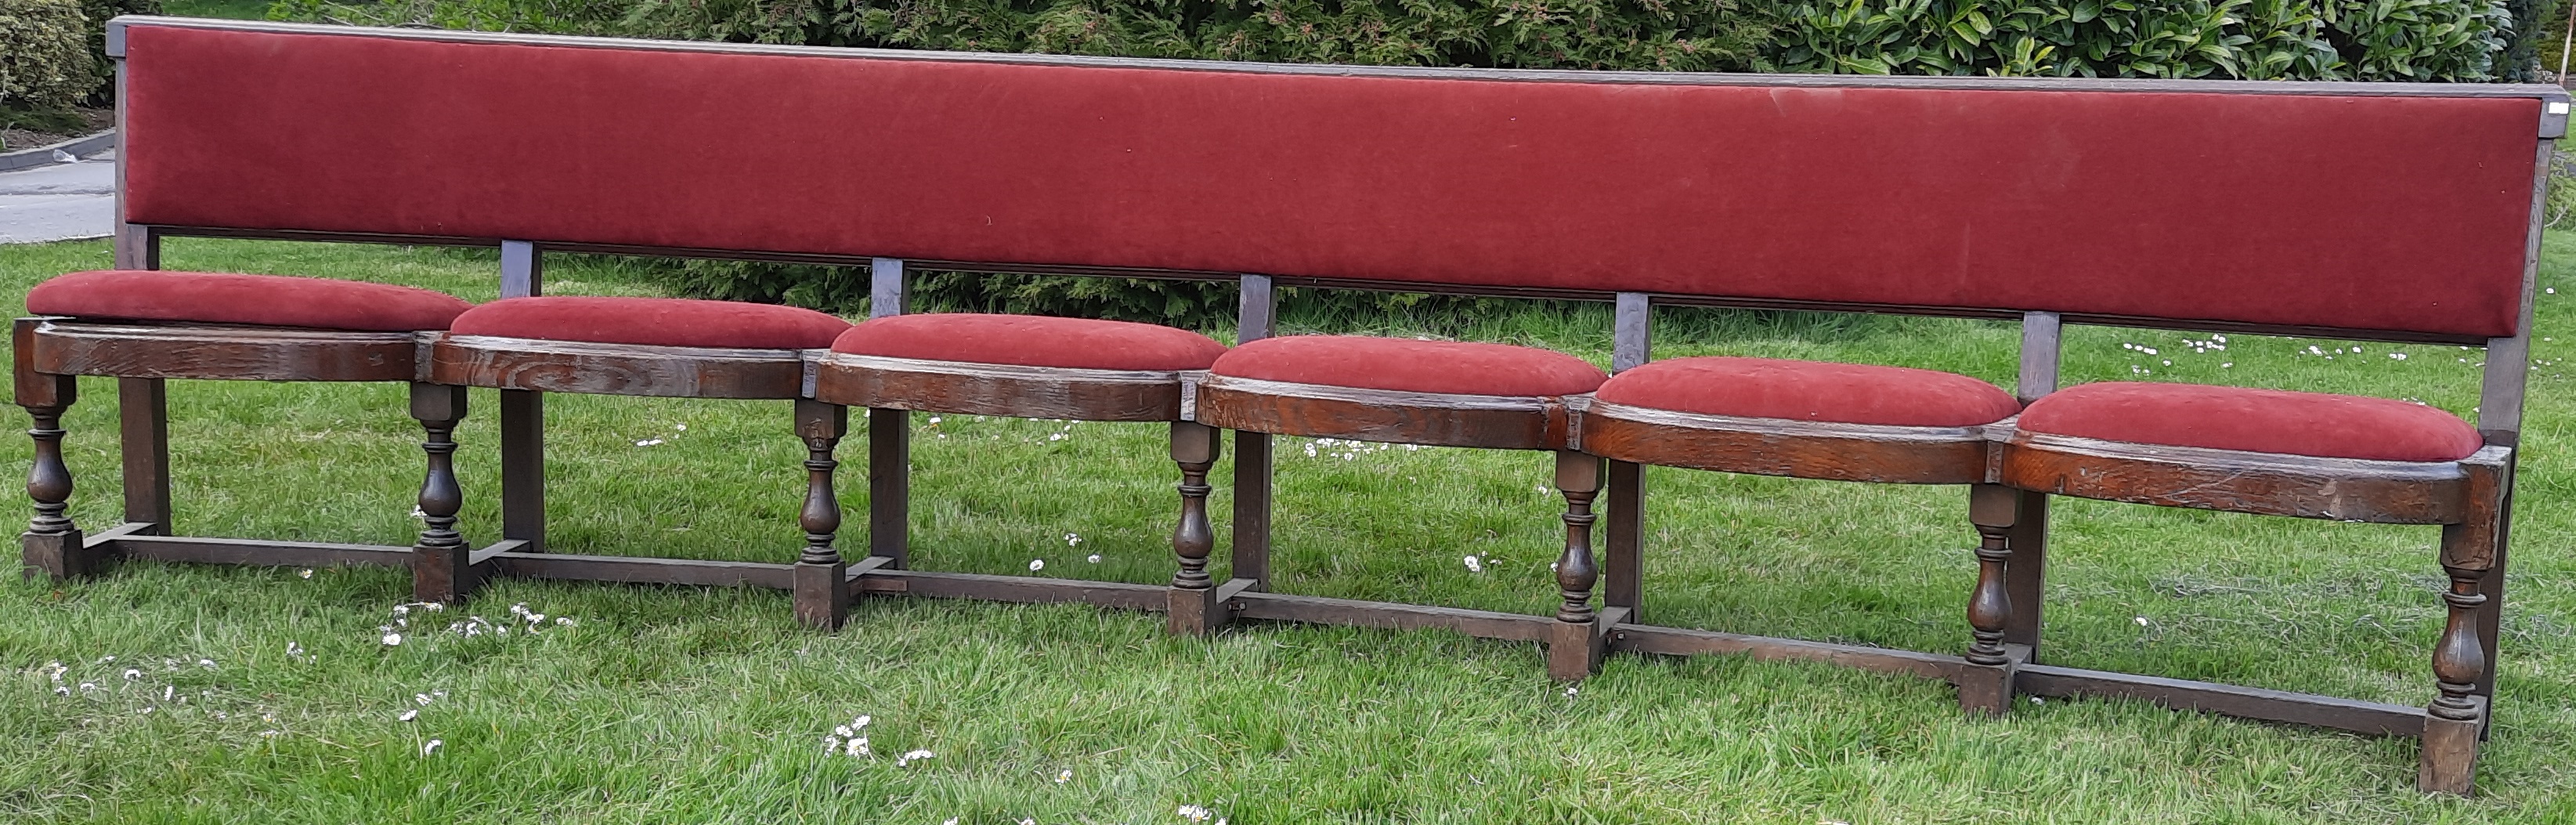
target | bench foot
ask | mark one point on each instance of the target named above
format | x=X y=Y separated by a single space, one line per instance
x=2450 y=762
x=822 y=594
x=1195 y=612
x=1987 y=690
x=61 y=556
x=445 y=573
x=1575 y=644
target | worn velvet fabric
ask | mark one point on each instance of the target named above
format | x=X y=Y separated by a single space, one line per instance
x=1032 y=341
x=229 y=298
x=668 y=322
x=1811 y=391
x=2255 y=420
x=2389 y=213
x=1413 y=366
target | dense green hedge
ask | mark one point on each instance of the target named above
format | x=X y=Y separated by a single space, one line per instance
x=42 y=63
x=53 y=57
x=2444 y=40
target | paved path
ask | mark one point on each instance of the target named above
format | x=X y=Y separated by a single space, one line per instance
x=59 y=202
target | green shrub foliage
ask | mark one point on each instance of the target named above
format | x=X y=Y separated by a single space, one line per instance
x=2248 y=39
x=99 y=12
x=2445 y=40
x=45 y=63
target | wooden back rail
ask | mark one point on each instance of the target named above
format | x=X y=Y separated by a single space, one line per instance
x=2406 y=218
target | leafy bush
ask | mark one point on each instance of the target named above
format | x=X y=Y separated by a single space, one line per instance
x=99 y=12
x=2248 y=39
x=45 y=63
x=2454 y=40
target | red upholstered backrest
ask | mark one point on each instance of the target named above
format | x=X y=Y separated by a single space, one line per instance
x=2382 y=213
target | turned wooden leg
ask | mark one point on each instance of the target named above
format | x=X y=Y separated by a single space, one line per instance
x=442 y=568
x=1575 y=643
x=822 y=592
x=1986 y=683
x=2457 y=717
x=52 y=544
x=1194 y=610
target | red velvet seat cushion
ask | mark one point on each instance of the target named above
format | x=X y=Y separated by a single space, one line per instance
x=1811 y=391
x=1031 y=341
x=668 y=322
x=2255 y=420
x=1412 y=366
x=227 y=298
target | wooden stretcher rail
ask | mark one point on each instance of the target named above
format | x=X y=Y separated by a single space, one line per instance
x=872 y=577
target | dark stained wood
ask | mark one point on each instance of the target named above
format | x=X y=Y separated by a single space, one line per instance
x=998 y=389
x=1624 y=492
x=31 y=387
x=890 y=485
x=1193 y=610
x=1623 y=557
x=1022 y=589
x=2475 y=541
x=1318 y=610
x=2042 y=344
x=523 y=467
x=2491 y=582
x=1256 y=317
x=2355 y=715
x=261 y=552
x=616 y=369
x=1986 y=680
x=2388 y=492
x=822 y=598
x=1779 y=447
x=2449 y=761
x=523 y=417
x=143 y=445
x=137 y=350
x=642 y=570
x=442 y=566
x=1574 y=646
x=1438 y=419
x=2460 y=660
x=2026 y=578
x=1674 y=641
x=1252 y=478
x=52 y=544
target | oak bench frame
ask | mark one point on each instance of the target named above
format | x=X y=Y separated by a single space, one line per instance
x=2016 y=473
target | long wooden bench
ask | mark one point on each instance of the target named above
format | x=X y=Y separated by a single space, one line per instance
x=2383 y=212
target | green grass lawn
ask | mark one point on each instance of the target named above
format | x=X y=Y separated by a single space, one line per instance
x=664 y=704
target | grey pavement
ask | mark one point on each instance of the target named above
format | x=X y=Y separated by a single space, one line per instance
x=60 y=202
